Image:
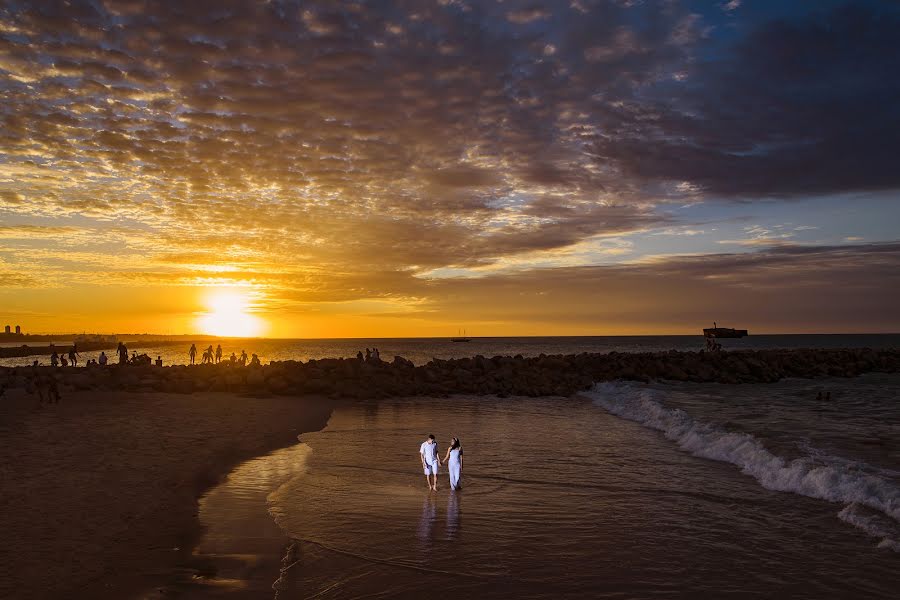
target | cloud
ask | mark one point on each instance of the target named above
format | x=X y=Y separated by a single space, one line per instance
x=337 y=152
x=773 y=289
x=794 y=108
x=527 y=15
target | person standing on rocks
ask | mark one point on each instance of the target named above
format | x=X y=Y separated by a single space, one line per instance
x=193 y=353
x=54 y=359
x=218 y=353
x=73 y=355
x=123 y=354
x=428 y=452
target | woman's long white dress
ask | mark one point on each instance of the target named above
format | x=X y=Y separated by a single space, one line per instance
x=455 y=468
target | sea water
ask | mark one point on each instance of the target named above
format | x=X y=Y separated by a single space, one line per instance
x=422 y=350
x=629 y=490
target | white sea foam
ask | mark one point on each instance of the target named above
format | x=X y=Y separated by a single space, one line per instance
x=872 y=523
x=836 y=480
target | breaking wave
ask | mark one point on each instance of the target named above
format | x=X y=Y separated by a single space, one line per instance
x=869 y=498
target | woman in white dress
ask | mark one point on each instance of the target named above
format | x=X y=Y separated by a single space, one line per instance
x=454 y=457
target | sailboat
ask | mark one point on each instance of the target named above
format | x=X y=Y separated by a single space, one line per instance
x=461 y=338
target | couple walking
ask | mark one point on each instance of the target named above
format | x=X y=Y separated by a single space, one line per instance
x=428 y=452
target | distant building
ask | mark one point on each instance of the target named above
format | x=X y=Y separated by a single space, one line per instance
x=18 y=330
x=7 y=329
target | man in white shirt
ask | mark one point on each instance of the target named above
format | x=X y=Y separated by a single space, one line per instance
x=429 y=455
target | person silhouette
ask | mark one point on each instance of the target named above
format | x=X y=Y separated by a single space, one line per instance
x=218 y=353
x=193 y=353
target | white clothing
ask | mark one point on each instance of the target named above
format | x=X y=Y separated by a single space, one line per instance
x=429 y=451
x=429 y=455
x=455 y=467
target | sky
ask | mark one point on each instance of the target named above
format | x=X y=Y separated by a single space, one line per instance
x=410 y=168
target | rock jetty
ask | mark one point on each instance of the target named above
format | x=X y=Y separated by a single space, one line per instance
x=554 y=375
x=26 y=350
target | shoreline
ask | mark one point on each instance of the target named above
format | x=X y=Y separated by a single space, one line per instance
x=102 y=490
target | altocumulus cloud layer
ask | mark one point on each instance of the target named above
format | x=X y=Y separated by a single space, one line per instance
x=447 y=157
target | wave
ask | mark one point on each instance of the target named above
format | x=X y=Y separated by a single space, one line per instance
x=835 y=480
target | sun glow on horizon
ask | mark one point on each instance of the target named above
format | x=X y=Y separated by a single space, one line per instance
x=228 y=314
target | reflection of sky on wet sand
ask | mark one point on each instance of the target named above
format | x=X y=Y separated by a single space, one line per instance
x=242 y=547
x=232 y=512
x=453 y=521
x=427 y=523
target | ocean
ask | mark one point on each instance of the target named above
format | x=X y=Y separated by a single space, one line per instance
x=629 y=490
x=422 y=350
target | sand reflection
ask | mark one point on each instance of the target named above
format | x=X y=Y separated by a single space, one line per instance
x=453 y=522
x=427 y=522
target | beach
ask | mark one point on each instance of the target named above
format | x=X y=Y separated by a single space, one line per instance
x=100 y=491
x=658 y=472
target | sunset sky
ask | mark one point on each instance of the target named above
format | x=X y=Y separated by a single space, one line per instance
x=379 y=168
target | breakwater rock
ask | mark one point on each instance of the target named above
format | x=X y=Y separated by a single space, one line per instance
x=556 y=375
x=26 y=350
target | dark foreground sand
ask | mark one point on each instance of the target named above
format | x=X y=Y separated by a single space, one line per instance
x=98 y=495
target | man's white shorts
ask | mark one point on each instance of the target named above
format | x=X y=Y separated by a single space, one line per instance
x=431 y=468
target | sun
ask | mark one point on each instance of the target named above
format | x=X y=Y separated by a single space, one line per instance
x=228 y=314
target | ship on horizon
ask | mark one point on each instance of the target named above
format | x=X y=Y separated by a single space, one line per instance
x=723 y=332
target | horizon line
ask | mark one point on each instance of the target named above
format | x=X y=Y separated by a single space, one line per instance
x=473 y=337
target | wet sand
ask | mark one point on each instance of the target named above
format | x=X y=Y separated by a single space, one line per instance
x=99 y=493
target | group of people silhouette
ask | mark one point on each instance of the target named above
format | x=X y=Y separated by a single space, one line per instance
x=211 y=356
x=70 y=358
x=57 y=358
x=371 y=355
